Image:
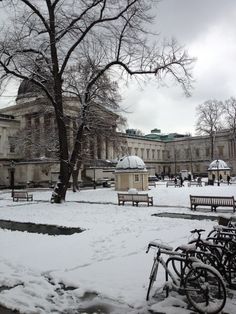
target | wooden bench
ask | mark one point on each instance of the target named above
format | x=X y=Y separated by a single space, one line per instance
x=172 y=183
x=212 y=201
x=135 y=199
x=22 y=195
x=195 y=183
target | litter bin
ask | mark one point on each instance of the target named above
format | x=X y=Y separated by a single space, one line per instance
x=210 y=182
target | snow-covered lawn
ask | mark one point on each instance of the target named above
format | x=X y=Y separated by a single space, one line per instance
x=105 y=267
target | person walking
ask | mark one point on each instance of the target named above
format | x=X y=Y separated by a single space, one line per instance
x=228 y=179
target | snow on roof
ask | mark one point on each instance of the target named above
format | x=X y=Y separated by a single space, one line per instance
x=218 y=164
x=131 y=162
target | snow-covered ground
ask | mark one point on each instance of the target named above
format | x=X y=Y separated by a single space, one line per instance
x=103 y=269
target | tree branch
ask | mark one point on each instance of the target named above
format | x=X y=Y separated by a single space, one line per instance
x=99 y=21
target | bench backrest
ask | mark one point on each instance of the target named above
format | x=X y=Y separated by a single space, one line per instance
x=213 y=200
x=223 y=200
x=140 y=197
x=132 y=197
x=125 y=197
x=20 y=193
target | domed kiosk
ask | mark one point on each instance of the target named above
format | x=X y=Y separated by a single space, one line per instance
x=218 y=170
x=131 y=173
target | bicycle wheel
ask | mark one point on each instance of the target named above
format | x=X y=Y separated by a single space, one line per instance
x=205 y=290
x=230 y=270
x=177 y=264
x=212 y=234
x=152 y=277
x=210 y=249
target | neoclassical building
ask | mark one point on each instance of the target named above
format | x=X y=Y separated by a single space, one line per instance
x=171 y=153
x=28 y=137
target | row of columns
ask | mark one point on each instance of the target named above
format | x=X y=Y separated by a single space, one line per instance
x=100 y=147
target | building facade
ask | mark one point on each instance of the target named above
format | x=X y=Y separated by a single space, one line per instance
x=171 y=153
x=31 y=121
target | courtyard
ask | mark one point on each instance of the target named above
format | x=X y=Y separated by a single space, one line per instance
x=104 y=268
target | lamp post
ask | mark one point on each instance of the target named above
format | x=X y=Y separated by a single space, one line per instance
x=12 y=177
x=218 y=178
x=94 y=174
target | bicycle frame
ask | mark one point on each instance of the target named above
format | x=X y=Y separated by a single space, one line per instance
x=225 y=255
x=184 y=259
x=191 y=282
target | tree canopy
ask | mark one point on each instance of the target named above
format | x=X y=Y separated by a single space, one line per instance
x=42 y=40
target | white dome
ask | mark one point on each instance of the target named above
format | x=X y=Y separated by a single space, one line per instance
x=131 y=162
x=218 y=164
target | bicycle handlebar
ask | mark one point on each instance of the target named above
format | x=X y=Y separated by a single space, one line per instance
x=159 y=246
x=199 y=231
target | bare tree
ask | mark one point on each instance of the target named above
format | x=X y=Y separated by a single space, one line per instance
x=229 y=107
x=230 y=118
x=99 y=110
x=41 y=39
x=209 y=120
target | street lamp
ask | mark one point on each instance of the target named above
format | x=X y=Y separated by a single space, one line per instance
x=12 y=177
x=218 y=178
x=94 y=174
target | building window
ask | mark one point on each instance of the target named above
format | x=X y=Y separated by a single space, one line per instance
x=136 y=178
x=148 y=153
x=130 y=151
x=187 y=153
x=123 y=150
x=142 y=153
x=221 y=151
x=153 y=153
x=197 y=168
x=136 y=151
x=28 y=121
x=207 y=152
x=197 y=152
x=12 y=144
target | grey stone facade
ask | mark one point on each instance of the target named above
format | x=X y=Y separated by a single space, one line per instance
x=162 y=154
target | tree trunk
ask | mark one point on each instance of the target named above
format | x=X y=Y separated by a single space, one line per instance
x=75 y=176
x=61 y=187
x=67 y=168
x=212 y=146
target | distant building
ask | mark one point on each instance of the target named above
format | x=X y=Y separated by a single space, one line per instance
x=28 y=136
x=163 y=154
x=170 y=153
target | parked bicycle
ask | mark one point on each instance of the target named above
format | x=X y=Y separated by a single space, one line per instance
x=218 y=252
x=202 y=284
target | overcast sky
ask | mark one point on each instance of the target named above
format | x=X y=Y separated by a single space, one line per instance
x=207 y=29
